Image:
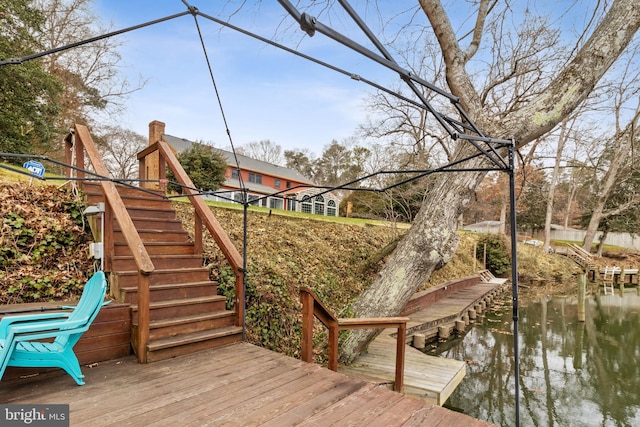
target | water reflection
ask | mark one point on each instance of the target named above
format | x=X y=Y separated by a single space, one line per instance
x=572 y=373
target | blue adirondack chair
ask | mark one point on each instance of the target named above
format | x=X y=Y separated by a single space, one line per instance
x=21 y=336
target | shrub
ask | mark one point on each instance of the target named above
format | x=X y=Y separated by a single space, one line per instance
x=204 y=166
x=497 y=250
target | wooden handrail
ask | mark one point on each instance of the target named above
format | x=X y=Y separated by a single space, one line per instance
x=115 y=206
x=313 y=306
x=204 y=216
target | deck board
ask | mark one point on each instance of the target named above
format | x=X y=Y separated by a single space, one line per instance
x=237 y=385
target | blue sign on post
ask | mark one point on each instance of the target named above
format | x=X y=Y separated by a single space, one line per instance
x=34 y=167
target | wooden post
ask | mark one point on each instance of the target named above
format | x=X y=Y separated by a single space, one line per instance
x=143 y=316
x=307 y=326
x=400 y=344
x=197 y=234
x=239 y=305
x=475 y=258
x=582 y=290
x=484 y=257
x=333 y=346
x=419 y=341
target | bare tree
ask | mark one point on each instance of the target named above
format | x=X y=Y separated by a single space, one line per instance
x=265 y=150
x=621 y=163
x=90 y=73
x=119 y=148
x=539 y=103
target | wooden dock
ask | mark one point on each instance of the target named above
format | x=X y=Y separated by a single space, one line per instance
x=236 y=385
x=429 y=378
x=455 y=306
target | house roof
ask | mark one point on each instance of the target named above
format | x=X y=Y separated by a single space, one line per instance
x=244 y=162
x=259 y=188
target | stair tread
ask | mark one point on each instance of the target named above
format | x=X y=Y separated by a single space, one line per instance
x=161 y=256
x=182 y=301
x=188 y=319
x=170 y=285
x=167 y=243
x=163 y=271
x=152 y=218
x=153 y=230
x=194 y=337
x=148 y=208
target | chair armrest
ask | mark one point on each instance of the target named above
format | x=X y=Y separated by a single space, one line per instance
x=51 y=329
x=12 y=321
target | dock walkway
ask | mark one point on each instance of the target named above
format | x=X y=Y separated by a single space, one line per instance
x=429 y=378
x=237 y=385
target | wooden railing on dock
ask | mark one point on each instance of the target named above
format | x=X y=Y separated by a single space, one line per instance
x=580 y=256
x=312 y=306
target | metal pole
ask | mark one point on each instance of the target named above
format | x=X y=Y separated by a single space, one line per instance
x=514 y=278
x=245 y=203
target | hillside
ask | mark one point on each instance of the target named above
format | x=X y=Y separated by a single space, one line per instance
x=44 y=257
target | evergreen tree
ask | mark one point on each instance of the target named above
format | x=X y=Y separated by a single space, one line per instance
x=28 y=94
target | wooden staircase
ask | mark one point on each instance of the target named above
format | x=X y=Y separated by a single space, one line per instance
x=186 y=313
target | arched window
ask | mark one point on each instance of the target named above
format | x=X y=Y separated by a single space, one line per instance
x=319 y=205
x=305 y=206
x=331 y=208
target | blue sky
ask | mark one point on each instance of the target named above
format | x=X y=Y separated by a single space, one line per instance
x=266 y=93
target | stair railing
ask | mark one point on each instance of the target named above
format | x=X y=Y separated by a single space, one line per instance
x=80 y=144
x=312 y=306
x=203 y=215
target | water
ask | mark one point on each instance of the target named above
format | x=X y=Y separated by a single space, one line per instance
x=571 y=373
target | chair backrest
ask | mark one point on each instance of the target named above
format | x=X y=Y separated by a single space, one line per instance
x=87 y=309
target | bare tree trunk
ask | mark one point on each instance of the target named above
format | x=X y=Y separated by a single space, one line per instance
x=572 y=195
x=620 y=156
x=552 y=187
x=430 y=242
x=503 y=217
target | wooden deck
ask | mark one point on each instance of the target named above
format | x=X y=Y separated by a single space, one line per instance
x=237 y=385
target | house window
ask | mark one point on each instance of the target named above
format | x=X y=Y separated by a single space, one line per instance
x=255 y=178
x=331 y=208
x=276 y=183
x=276 y=203
x=288 y=184
x=306 y=205
x=253 y=200
x=291 y=204
x=319 y=205
x=235 y=173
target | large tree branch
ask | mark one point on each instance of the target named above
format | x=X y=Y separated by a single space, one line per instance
x=477 y=30
x=577 y=80
x=454 y=58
